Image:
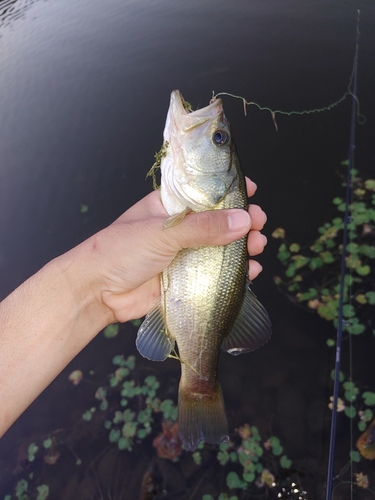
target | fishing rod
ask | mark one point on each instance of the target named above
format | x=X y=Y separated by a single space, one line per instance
x=336 y=384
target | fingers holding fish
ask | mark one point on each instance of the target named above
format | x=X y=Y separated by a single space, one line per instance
x=211 y=228
x=251 y=187
x=256 y=241
x=258 y=217
x=254 y=269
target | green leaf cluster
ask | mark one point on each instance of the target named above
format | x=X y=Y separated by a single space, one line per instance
x=22 y=491
x=356 y=404
x=247 y=458
x=129 y=405
x=311 y=273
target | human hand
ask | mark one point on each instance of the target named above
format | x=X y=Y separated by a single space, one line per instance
x=128 y=256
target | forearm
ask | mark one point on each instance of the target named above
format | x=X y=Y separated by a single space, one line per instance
x=44 y=324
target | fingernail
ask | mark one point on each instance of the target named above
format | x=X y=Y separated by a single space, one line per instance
x=238 y=220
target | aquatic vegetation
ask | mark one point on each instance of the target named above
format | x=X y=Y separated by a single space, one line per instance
x=22 y=491
x=311 y=279
x=129 y=410
x=245 y=459
x=312 y=273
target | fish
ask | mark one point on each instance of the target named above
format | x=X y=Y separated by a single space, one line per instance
x=206 y=302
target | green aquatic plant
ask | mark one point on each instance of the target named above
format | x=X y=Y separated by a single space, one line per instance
x=129 y=405
x=312 y=273
x=312 y=277
x=22 y=491
x=247 y=459
x=162 y=153
x=129 y=409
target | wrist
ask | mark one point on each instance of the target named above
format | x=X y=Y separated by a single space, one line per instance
x=79 y=272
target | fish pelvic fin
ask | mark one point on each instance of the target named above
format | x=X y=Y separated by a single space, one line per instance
x=201 y=417
x=251 y=329
x=153 y=341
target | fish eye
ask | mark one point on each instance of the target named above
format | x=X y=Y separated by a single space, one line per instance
x=220 y=137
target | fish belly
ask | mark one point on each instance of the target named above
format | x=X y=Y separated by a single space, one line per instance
x=202 y=293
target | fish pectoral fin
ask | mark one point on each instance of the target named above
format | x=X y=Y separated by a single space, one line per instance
x=152 y=339
x=251 y=329
x=175 y=219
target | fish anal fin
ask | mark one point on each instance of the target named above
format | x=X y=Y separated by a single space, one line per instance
x=152 y=340
x=251 y=329
x=201 y=417
x=175 y=219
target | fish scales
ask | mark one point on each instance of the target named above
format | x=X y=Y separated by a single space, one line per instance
x=205 y=304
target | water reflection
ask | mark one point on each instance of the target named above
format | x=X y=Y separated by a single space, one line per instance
x=10 y=10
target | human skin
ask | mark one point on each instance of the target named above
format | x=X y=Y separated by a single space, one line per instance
x=113 y=276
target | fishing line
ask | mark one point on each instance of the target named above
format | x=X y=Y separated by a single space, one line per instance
x=350 y=91
x=336 y=385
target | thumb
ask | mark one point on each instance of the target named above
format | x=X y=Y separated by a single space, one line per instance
x=210 y=228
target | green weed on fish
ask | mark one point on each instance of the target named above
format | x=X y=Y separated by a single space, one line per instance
x=162 y=153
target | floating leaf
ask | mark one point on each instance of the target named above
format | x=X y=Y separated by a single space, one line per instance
x=370 y=184
x=350 y=411
x=114 y=435
x=355 y=456
x=361 y=298
x=363 y=270
x=278 y=233
x=87 y=416
x=294 y=247
x=248 y=477
x=129 y=429
x=100 y=393
x=351 y=395
x=285 y=462
x=31 y=452
x=43 y=492
x=111 y=331
x=369 y=398
x=75 y=377
x=124 y=443
x=315 y=263
x=341 y=376
x=370 y=297
x=234 y=481
x=291 y=271
x=356 y=328
x=21 y=487
x=223 y=457
x=47 y=443
x=348 y=310
x=197 y=457
x=362 y=425
x=367 y=415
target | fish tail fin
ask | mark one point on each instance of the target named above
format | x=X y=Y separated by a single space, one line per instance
x=201 y=417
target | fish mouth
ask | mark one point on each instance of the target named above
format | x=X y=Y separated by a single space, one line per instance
x=184 y=119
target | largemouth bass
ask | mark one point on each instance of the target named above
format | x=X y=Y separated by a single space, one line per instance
x=205 y=301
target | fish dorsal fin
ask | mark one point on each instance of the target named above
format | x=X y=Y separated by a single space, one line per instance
x=251 y=329
x=175 y=219
x=152 y=339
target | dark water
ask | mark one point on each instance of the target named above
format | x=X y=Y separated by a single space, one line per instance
x=84 y=93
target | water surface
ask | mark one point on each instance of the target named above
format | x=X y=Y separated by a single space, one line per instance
x=84 y=94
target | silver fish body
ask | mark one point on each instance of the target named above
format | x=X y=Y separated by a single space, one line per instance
x=205 y=302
